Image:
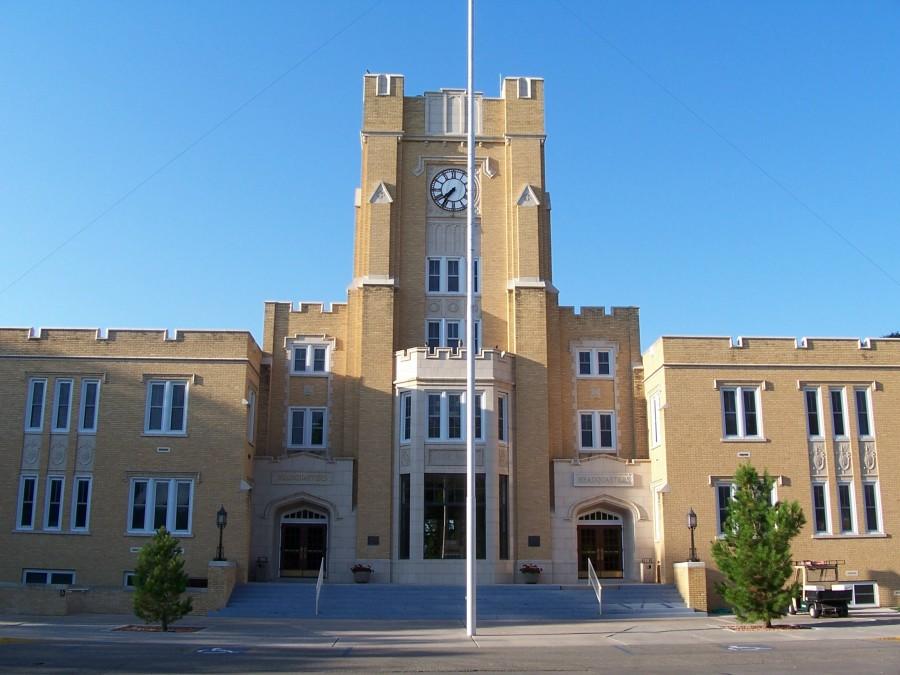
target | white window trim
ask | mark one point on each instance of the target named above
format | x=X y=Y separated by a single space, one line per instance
x=28 y=405
x=405 y=400
x=657 y=513
x=845 y=410
x=869 y=414
x=655 y=420
x=57 y=385
x=150 y=506
x=49 y=574
x=307 y=427
x=309 y=359
x=503 y=405
x=818 y=393
x=595 y=366
x=741 y=414
x=82 y=404
x=874 y=585
x=526 y=81
x=441 y=98
x=595 y=422
x=444 y=276
x=720 y=526
x=52 y=478
x=462 y=333
x=167 y=408
x=125 y=577
x=386 y=90
x=878 y=512
x=445 y=416
x=828 y=525
x=87 y=516
x=854 y=520
x=251 y=416
x=20 y=502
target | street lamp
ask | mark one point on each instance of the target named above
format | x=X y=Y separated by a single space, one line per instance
x=692 y=525
x=221 y=522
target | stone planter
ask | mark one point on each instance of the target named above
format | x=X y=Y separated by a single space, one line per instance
x=362 y=576
x=531 y=577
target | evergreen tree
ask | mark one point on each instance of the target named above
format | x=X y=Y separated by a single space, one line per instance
x=755 y=551
x=160 y=581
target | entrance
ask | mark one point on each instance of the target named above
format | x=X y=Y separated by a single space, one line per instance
x=600 y=541
x=304 y=538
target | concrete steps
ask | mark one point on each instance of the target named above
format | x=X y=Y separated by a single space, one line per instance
x=541 y=602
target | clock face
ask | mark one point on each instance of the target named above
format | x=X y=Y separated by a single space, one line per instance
x=450 y=189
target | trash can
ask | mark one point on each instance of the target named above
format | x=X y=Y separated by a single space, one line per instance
x=647 y=575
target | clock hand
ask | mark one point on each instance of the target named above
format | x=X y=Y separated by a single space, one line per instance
x=448 y=195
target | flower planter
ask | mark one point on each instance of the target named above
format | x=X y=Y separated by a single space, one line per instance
x=362 y=576
x=531 y=577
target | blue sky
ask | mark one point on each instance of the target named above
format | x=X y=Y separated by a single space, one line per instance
x=664 y=120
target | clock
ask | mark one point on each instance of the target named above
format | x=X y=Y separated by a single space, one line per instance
x=450 y=189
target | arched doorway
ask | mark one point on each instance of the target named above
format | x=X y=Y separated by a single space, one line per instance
x=600 y=541
x=304 y=540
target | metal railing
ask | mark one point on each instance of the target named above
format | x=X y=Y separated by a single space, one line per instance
x=319 y=583
x=595 y=584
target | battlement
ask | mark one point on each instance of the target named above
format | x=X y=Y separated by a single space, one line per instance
x=422 y=364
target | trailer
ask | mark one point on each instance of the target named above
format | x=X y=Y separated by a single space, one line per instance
x=824 y=596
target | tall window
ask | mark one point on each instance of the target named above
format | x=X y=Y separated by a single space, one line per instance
x=503 y=524
x=81 y=503
x=158 y=502
x=53 y=507
x=595 y=363
x=740 y=415
x=445 y=516
x=446 y=416
x=62 y=406
x=836 y=397
x=405 y=504
x=811 y=396
x=870 y=500
x=27 y=500
x=34 y=410
x=597 y=430
x=447 y=275
x=863 y=417
x=845 y=506
x=449 y=333
x=90 y=402
x=166 y=407
x=307 y=428
x=502 y=418
x=724 y=494
x=820 y=508
x=405 y=417
x=251 y=415
x=309 y=359
x=434 y=275
x=654 y=420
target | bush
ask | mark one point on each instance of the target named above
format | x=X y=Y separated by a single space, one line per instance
x=160 y=581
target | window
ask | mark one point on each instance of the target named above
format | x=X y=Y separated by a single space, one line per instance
x=524 y=87
x=166 y=407
x=129 y=580
x=251 y=416
x=502 y=417
x=307 y=428
x=503 y=524
x=811 y=395
x=445 y=113
x=434 y=275
x=597 y=430
x=309 y=359
x=81 y=503
x=724 y=495
x=405 y=417
x=863 y=420
x=446 y=411
x=405 y=508
x=871 y=502
x=739 y=412
x=445 y=516
x=156 y=502
x=448 y=275
x=865 y=595
x=27 y=501
x=837 y=412
x=449 y=333
x=476 y=288
x=845 y=506
x=53 y=505
x=383 y=85
x=654 y=420
x=90 y=401
x=34 y=410
x=48 y=577
x=595 y=363
x=62 y=406
x=479 y=412
x=820 y=508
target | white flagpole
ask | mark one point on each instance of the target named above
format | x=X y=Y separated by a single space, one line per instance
x=470 y=331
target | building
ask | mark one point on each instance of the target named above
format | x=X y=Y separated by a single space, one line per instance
x=340 y=438
x=818 y=414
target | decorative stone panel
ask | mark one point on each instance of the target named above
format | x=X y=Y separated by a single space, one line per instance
x=503 y=456
x=31 y=452
x=868 y=458
x=842 y=459
x=59 y=444
x=404 y=456
x=84 y=454
x=817 y=463
x=453 y=457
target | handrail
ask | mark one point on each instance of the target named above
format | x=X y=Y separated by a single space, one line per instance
x=595 y=584
x=319 y=583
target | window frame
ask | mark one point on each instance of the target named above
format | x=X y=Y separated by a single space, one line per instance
x=594 y=364
x=82 y=405
x=741 y=413
x=306 y=441
x=166 y=420
x=55 y=427
x=443 y=275
x=30 y=403
x=405 y=423
x=817 y=395
x=876 y=507
x=20 y=502
x=864 y=414
x=386 y=89
x=251 y=416
x=150 y=505
x=503 y=417
x=73 y=513
x=49 y=582
x=309 y=359
x=597 y=431
x=719 y=486
x=826 y=507
x=443 y=335
x=655 y=405
x=444 y=412
x=842 y=391
x=851 y=505
x=52 y=479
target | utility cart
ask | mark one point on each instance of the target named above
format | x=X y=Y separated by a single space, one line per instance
x=820 y=594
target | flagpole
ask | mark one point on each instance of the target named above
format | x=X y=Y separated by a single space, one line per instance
x=470 y=330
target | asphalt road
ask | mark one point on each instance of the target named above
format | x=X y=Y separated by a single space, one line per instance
x=867 y=643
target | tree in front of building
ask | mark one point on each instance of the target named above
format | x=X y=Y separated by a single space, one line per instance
x=754 y=553
x=160 y=581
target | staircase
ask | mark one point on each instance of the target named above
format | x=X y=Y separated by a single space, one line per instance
x=512 y=603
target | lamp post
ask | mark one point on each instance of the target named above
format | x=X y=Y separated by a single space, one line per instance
x=692 y=525
x=221 y=522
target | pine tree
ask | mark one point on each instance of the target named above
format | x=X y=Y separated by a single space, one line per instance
x=755 y=551
x=160 y=581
